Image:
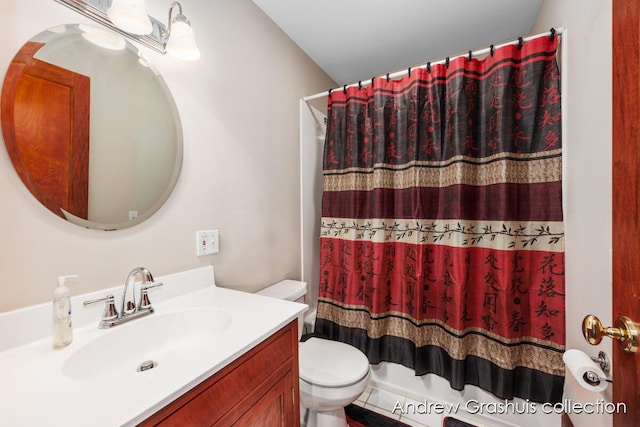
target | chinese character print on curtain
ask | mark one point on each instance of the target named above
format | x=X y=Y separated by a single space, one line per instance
x=442 y=241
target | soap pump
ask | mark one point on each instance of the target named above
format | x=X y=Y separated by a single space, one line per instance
x=62 y=332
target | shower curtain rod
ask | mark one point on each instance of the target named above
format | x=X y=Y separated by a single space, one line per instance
x=484 y=51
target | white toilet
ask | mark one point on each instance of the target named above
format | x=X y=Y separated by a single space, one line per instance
x=332 y=374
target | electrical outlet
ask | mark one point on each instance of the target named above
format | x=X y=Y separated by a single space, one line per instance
x=207 y=242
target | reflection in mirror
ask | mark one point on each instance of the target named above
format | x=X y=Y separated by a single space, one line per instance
x=91 y=127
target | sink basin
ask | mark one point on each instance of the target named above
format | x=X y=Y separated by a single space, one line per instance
x=160 y=340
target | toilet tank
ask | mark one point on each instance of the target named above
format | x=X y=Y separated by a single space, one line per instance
x=290 y=290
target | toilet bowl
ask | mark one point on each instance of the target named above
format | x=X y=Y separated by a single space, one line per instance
x=332 y=374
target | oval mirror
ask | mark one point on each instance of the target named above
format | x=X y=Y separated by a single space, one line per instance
x=91 y=127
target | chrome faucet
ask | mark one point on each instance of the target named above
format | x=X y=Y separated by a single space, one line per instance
x=129 y=310
x=128 y=305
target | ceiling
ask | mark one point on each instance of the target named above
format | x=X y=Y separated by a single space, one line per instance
x=355 y=40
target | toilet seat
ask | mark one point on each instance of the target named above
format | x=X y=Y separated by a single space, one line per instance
x=331 y=364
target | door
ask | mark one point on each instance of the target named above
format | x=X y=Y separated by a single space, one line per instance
x=45 y=122
x=626 y=219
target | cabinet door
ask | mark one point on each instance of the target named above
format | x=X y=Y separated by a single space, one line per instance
x=274 y=409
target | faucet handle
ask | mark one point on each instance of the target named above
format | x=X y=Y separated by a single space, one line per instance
x=110 y=312
x=144 y=303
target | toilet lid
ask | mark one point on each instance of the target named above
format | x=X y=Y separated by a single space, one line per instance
x=331 y=363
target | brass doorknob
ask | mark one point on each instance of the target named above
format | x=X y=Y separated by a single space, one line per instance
x=625 y=332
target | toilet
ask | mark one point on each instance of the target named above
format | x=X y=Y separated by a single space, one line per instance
x=332 y=374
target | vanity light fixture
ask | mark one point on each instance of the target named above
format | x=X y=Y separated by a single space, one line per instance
x=129 y=18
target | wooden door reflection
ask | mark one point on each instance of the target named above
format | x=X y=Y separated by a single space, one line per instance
x=45 y=121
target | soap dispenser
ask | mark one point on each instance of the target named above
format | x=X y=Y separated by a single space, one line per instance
x=62 y=332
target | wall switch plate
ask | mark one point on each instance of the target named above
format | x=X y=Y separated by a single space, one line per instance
x=207 y=242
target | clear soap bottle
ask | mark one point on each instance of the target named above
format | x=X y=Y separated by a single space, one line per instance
x=62 y=328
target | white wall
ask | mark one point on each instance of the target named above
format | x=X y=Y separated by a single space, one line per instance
x=239 y=111
x=587 y=148
x=312 y=134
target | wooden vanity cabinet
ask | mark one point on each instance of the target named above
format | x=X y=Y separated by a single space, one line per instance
x=260 y=388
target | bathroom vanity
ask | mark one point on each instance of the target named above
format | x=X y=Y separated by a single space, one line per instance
x=258 y=389
x=206 y=356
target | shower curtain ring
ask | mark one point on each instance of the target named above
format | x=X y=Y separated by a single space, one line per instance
x=470 y=55
x=520 y=41
x=553 y=33
x=429 y=67
x=447 y=62
x=344 y=89
x=491 y=50
x=387 y=77
x=359 y=84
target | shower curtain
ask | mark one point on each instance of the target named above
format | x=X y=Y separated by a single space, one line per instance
x=442 y=236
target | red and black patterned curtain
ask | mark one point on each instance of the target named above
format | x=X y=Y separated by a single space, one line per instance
x=442 y=244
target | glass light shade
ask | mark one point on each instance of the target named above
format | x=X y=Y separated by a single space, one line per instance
x=130 y=16
x=182 y=42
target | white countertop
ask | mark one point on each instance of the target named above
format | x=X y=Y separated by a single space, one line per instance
x=34 y=390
